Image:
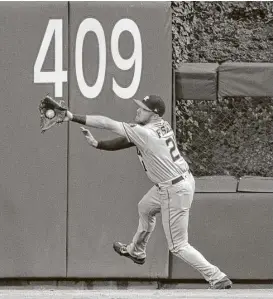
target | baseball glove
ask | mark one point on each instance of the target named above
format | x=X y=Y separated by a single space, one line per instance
x=52 y=112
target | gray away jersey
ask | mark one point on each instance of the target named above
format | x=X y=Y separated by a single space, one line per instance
x=157 y=150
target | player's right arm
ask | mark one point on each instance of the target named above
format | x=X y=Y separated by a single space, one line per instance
x=134 y=133
x=97 y=121
x=107 y=145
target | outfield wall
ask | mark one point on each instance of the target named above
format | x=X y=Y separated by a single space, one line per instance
x=64 y=203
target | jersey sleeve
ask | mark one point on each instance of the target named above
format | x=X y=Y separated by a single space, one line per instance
x=136 y=134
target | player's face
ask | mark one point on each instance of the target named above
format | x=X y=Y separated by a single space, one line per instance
x=143 y=116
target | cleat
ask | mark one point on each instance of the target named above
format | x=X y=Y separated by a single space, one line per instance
x=224 y=283
x=121 y=249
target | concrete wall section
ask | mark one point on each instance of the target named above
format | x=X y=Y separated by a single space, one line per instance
x=105 y=187
x=33 y=166
x=234 y=232
x=216 y=184
x=245 y=79
x=196 y=81
x=255 y=184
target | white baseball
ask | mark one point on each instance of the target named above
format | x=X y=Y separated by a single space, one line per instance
x=50 y=113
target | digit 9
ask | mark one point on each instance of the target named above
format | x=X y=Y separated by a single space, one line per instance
x=126 y=64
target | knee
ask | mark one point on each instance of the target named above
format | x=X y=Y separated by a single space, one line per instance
x=147 y=210
x=146 y=214
x=142 y=208
x=182 y=246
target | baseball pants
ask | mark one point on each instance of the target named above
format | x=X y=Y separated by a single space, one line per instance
x=174 y=202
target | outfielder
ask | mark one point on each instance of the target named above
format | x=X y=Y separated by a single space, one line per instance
x=172 y=194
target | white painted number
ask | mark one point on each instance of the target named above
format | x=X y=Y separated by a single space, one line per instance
x=126 y=64
x=58 y=76
x=94 y=26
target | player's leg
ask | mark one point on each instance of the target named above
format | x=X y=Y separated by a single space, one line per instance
x=148 y=207
x=176 y=203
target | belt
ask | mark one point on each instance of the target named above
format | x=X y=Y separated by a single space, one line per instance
x=176 y=180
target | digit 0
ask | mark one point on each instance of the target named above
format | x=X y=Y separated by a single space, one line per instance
x=94 y=26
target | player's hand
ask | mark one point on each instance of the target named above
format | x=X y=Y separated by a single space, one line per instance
x=68 y=116
x=52 y=112
x=89 y=137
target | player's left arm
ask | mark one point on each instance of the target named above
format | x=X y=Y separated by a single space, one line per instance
x=115 y=144
x=98 y=122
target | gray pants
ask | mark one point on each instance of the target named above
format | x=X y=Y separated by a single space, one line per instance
x=174 y=202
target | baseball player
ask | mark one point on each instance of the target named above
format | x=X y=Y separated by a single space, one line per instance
x=172 y=194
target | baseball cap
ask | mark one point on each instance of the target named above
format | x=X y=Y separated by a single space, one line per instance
x=153 y=103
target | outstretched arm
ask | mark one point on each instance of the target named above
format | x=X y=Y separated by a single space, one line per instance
x=97 y=121
x=107 y=145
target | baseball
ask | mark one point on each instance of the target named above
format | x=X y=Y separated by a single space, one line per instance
x=50 y=113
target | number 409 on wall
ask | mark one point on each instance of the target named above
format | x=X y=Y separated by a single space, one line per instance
x=59 y=76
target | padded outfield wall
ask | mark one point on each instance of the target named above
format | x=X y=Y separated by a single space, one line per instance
x=64 y=203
